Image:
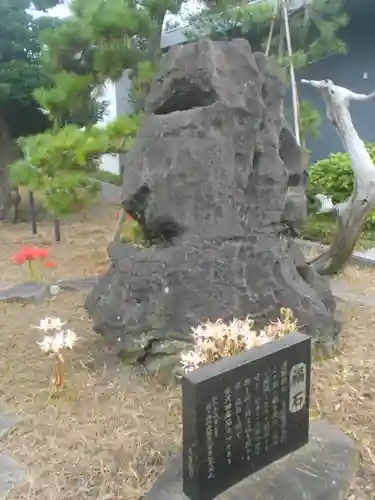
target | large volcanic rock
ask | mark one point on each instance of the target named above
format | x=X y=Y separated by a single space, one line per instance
x=214 y=178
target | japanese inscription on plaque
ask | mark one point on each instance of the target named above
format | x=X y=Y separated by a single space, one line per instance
x=244 y=412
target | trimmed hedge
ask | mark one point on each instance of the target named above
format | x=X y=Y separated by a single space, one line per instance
x=334 y=177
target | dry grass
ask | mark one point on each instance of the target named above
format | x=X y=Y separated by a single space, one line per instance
x=311 y=252
x=360 y=280
x=344 y=389
x=104 y=436
x=107 y=435
x=356 y=279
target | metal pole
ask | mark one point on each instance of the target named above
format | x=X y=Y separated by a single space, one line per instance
x=56 y=223
x=34 y=228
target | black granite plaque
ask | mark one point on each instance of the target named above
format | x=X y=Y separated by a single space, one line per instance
x=243 y=413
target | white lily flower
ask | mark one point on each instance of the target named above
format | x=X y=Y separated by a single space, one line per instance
x=190 y=360
x=214 y=341
x=70 y=338
x=49 y=323
x=53 y=344
x=60 y=339
x=263 y=338
x=46 y=343
x=57 y=342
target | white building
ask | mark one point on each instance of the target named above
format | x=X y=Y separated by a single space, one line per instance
x=117 y=93
x=117 y=96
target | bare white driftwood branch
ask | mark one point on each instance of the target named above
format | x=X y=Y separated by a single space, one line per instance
x=353 y=212
x=326 y=204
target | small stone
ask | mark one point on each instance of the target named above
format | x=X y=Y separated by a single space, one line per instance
x=131 y=354
x=78 y=284
x=168 y=346
x=54 y=290
x=163 y=368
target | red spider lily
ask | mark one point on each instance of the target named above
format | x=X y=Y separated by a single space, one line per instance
x=29 y=254
x=129 y=218
x=50 y=265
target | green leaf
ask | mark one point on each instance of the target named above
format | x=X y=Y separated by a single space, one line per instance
x=62 y=165
x=333 y=176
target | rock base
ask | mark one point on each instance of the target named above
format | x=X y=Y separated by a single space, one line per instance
x=321 y=470
x=150 y=299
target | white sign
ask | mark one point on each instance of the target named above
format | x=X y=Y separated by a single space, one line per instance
x=297 y=387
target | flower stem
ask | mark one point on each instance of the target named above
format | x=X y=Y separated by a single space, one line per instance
x=31 y=271
x=34 y=276
x=59 y=371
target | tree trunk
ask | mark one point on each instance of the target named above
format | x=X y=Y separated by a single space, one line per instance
x=353 y=212
x=9 y=152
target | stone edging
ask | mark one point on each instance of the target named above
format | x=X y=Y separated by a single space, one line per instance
x=12 y=473
x=37 y=292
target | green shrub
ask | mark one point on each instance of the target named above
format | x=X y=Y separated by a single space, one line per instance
x=322 y=228
x=333 y=177
x=61 y=165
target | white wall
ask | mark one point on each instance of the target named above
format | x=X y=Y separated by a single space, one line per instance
x=123 y=88
x=117 y=96
x=110 y=163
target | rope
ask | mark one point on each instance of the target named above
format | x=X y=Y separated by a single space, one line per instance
x=282 y=9
x=272 y=27
x=292 y=72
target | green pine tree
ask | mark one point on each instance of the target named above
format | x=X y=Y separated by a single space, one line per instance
x=20 y=75
x=314 y=28
x=98 y=42
x=103 y=38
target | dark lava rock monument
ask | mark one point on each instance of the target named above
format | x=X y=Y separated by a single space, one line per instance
x=217 y=176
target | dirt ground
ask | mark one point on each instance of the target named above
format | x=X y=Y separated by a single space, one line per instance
x=108 y=434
